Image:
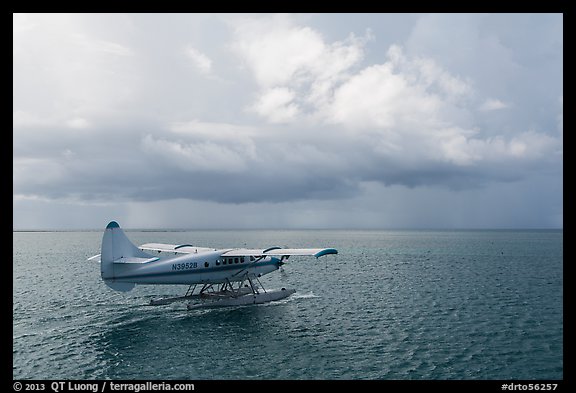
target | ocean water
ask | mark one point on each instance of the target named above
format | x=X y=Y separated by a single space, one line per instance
x=397 y=305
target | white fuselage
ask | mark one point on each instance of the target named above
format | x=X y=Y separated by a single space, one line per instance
x=123 y=265
x=201 y=268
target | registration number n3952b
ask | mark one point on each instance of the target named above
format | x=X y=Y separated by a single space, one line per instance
x=184 y=266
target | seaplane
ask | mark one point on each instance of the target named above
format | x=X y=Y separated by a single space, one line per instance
x=226 y=277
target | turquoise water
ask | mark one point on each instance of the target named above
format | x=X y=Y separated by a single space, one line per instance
x=391 y=305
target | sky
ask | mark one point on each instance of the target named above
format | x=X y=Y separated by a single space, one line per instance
x=240 y=121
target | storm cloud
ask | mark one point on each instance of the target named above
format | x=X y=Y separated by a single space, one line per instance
x=286 y=113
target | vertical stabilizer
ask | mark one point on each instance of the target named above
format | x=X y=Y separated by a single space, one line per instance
x=116 y=245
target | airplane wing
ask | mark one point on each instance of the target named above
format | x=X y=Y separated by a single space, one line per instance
x=240 y=252
x=175 y=248
x=284 y=253
x=277 y=251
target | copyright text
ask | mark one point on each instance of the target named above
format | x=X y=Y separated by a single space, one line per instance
x=100 y=386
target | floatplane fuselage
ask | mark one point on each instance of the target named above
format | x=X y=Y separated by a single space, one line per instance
x=123 y=265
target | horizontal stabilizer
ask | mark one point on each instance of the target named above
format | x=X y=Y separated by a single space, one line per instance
x=94 y=258
x=120 y=286
x=135 y=260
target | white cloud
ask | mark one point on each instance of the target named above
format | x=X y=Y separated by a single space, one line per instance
x=21 y=118
x=200 y=61
x=64 y=71
x=303 y=77
x=279 y=52
x=412 y=96
x=213 y=131
x=379 y=97
x=96 y=45
x=277 y=105
x=526 y=147
x=78 y=123
x=293 y=65
x=408 y=109
x=493 y=104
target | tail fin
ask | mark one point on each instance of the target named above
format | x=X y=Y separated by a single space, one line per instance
x=116 y=245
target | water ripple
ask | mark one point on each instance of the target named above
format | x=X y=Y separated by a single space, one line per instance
x=392 y=305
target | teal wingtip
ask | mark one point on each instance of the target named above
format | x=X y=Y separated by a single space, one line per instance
x=326 y=251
